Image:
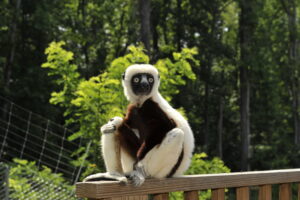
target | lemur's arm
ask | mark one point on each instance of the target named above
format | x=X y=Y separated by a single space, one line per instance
x=110 y=146
x=111 y=153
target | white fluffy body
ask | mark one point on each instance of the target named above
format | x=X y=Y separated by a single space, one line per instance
x=182 y=124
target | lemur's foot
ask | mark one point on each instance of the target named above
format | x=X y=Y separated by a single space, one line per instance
x=106 y=177
x=111 y=125
x=136 y=178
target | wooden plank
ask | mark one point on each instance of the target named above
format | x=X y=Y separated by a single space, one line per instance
x=265 y=192
x=191 y=195
x=285 y=191
x=164 y=196
x=144 y=197
x=242 y=193
x=98 y=190
x=218 y=194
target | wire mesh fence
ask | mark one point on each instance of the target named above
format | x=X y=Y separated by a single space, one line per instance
x=28 y=136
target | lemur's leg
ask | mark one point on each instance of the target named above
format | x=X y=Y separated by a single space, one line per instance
x=160 y=160
x=111 y=153
x=127 y=161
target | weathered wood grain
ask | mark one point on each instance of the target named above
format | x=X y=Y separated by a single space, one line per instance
x=218 y=194
x=164 y=196
x=242 y=193
x=285 y=191
x=191 y=195
x=265 y=192
x=98 y=190
x=144 y=197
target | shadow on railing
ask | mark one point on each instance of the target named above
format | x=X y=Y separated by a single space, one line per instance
x=191 y=185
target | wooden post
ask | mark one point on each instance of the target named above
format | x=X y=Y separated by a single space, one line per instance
x=164 y=196
x=191 y=195
x=144 y=197
x=242 y=193
x=265 y=192
x=218 y=194
x=285 y=192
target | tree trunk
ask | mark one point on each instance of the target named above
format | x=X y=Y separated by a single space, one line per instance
x=206 y=117
x=11 y=55
x=295 y=107
x=290 y=9
x=179 y=25
x=293 y=58
x=246 y=29
x=145 y=10
x=220 y=128
x=245 y=118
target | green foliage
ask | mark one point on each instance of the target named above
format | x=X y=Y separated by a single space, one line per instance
x=201 y=165
x=26 y=180
x=59 y=63
x=172 y=72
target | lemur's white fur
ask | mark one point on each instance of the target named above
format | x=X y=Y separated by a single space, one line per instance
x=188 y=141
x=161 y=159
x=109 y=142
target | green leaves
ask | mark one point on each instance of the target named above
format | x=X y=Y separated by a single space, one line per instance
x=201 y=165
x=67 y=77
x=175 y=73
x=26 y=179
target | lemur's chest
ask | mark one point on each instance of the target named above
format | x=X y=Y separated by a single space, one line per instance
x=154 y=119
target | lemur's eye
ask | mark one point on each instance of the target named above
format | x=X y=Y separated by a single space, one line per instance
x=150 y=80
x=136 y=80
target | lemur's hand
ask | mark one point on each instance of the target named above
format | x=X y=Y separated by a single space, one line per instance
x=111 y=125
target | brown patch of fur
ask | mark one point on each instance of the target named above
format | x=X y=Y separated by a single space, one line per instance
x=152 y=123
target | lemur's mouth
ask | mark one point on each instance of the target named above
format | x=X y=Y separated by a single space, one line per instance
x=143 y=90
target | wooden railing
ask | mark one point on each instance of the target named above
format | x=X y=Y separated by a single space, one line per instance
x=193 y=184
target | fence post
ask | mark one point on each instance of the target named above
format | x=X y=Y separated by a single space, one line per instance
x=6 y=183
x=285 y=191
x=4 y=187
x=242 y=193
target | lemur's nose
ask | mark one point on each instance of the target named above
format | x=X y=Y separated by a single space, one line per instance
x=144 y=83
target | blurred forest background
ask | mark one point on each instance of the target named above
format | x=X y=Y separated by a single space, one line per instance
x=236 y=70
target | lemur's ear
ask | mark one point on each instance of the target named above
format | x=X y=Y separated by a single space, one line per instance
x=123 y=76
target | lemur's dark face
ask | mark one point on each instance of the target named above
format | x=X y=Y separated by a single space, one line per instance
x=142 y=83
